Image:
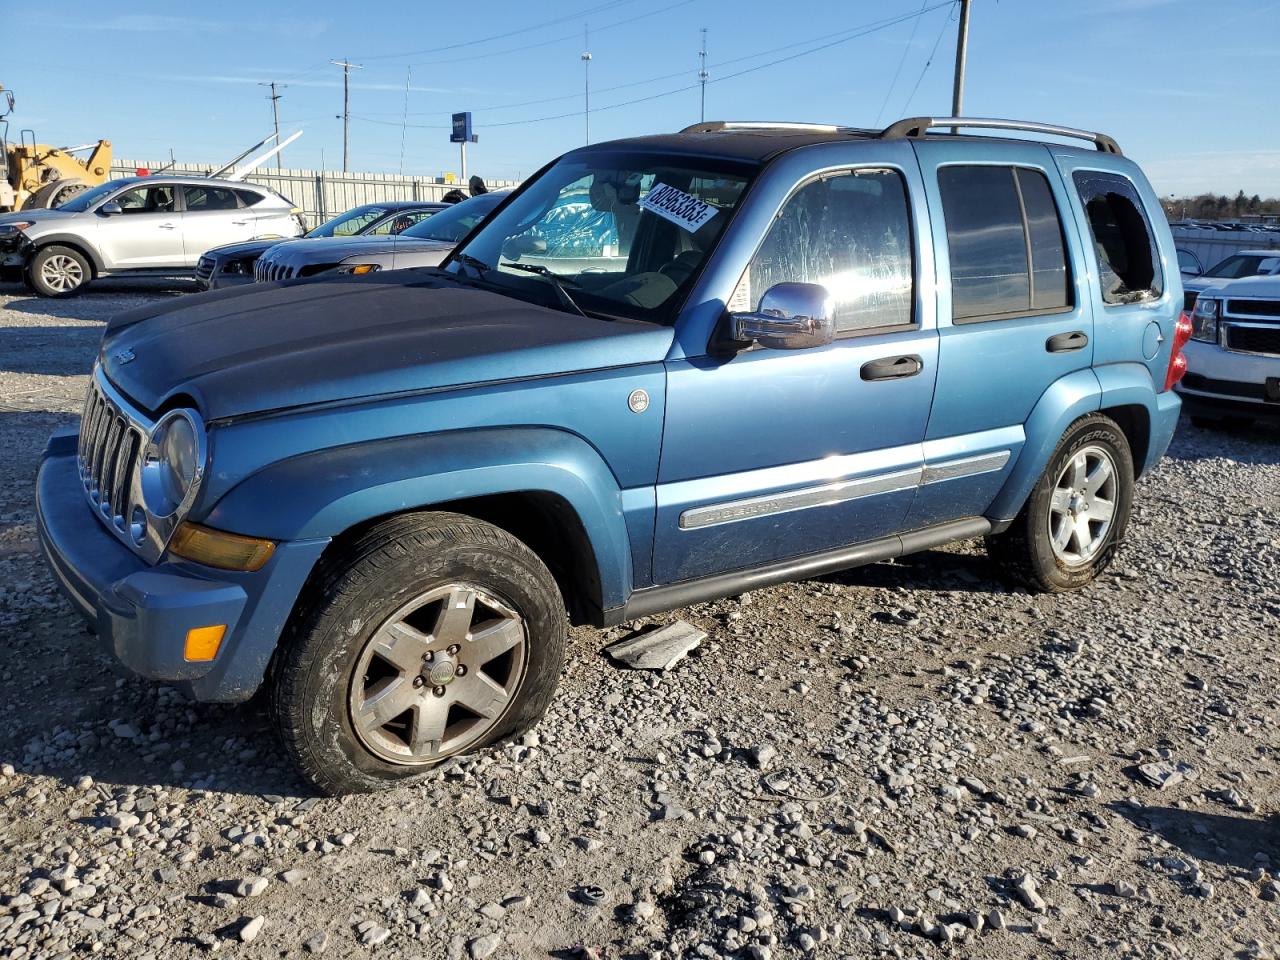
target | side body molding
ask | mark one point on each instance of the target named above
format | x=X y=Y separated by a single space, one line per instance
x=1066 y=400
x=324 y=493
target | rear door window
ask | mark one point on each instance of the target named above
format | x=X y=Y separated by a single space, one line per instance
x=1128 y=261
x=200 y=199
x=1004 y=234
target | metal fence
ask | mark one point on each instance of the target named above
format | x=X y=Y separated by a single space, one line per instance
x=320 y=193
x=1211 y=246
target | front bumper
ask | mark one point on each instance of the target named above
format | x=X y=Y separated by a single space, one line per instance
x=1225 y=383
x=142 y=613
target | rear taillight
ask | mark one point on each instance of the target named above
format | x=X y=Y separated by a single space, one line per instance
x=1177 y=359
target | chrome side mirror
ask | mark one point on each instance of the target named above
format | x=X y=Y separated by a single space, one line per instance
x=792 y=316
x=110 y=209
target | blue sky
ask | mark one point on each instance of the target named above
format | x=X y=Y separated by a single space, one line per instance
x=1188 y=89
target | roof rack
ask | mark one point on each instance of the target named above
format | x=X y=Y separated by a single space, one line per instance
x=712 y=126
x=918 y=126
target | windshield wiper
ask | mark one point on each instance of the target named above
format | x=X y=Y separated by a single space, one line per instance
x=475 y=263
x=557 y=281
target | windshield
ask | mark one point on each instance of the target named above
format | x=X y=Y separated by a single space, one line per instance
x=454 y=223
x=623 y=233
x=352 y=222
x=1243 y=265
x=83 y=201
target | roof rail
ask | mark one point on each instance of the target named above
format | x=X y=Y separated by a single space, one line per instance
x=712 y=126
x=918 y=126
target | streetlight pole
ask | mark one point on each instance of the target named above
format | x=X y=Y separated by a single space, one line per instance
x=702 y=76
x=275 y=116
x=962 y=55
x=586 y=81
x=346 y=105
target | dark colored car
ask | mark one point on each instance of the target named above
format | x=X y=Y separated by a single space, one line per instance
x=232 y=264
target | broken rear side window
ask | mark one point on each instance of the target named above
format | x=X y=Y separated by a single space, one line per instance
x=1128 y=262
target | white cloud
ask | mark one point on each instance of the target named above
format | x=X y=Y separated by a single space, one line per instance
x=1253 y=171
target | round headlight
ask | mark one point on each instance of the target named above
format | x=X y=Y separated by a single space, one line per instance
x=173 y=462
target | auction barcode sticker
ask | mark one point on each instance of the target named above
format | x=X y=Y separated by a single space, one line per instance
x=682 y=209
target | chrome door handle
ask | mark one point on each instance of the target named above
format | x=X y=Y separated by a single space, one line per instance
x=168 y=226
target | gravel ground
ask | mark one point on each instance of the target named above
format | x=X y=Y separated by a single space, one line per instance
x=904 y=760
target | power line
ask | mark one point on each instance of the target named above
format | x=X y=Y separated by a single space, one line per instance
x=906 y=48
x=853 y=34
x=501 y=36
x=838 y=37
x=925 y=69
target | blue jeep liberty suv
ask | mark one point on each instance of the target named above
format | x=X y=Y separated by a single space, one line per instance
x=665 y=370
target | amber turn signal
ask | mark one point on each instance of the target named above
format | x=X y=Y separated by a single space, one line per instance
x=203 y=642
x=215 y=548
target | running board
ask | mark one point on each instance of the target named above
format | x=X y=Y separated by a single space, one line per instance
x=651 y=600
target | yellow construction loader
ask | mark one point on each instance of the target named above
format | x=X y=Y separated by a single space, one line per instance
x=35 y=175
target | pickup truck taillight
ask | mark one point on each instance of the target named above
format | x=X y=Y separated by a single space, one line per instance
x=1177 y=359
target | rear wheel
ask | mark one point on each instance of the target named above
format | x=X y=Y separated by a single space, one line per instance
x=1068 y=530
x=58 y=271
x=430 y=636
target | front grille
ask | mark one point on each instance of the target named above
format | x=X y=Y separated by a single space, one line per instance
x=204 y=268
x=1226 y=388
x=111 y=443
x=269 y=271
x=1253 y=339
x=1254 y=308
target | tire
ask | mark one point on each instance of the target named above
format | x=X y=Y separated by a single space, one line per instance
x=1026 y=551
x=58 y=271
x=375 y=612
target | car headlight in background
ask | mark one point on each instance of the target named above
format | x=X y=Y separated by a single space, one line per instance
x=173 y=462
x=358 y=269
x=1204 y=321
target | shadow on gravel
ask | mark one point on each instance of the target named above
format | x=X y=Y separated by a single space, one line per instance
x=48 y=350
x=1219 y=838
x=935 y=570
x=58 y=307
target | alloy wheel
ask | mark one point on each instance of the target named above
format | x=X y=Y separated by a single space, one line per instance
x=62 y=273
x=438 y=675
x=1083 y=506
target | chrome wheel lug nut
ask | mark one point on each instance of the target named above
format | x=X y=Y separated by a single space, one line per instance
x=453 y=649
x=461 y=671
x=438 y=691
x=418 y=683
x=428 y=657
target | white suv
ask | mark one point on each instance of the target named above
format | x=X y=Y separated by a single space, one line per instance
x=140 y=225
x=1233 y=359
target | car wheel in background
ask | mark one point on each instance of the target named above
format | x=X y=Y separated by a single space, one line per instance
x=57 y=271
x=426 y=637
x=1068 y=530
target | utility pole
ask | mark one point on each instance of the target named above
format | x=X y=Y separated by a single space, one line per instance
x=586 y=78
x=275 y=115
x=346 y=105
x=962 y=54
x=702 y=76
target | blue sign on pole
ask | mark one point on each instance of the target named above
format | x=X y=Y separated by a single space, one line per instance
x=462 y=129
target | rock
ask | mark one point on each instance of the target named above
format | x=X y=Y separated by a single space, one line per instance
x=762 y=754
x=123 y=821
x=251 y=887
x=1027 y=893
x=995 y=919
x=482 y=947
x=374 y=935
x=1165 y=773
x=316 y=942
x=292 y=877
x=250 y=928
x=659 y=649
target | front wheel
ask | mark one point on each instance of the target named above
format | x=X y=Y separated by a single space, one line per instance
x=1068 y=530
x=429 y=636
x=57 y=271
